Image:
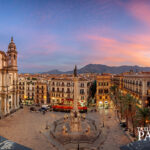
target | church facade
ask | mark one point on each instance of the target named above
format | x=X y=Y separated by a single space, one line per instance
x=9 y=99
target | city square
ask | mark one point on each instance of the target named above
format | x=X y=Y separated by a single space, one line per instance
x=74 y=75
x=27 y=128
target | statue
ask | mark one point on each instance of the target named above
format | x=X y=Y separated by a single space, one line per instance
x=12 y=39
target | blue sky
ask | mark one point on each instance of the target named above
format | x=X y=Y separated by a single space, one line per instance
x=57 y=34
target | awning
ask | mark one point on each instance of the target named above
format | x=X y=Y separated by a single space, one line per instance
x=6 y=144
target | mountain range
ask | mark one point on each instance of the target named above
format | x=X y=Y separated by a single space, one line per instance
x=99 y=68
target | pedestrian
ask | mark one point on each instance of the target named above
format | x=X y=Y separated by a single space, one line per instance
x=43 y=112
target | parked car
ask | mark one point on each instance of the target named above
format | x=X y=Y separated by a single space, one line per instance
x=43 y=109
x=123 y=124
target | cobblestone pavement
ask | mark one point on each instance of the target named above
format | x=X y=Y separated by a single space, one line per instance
x=24 y=128
x=116 y=136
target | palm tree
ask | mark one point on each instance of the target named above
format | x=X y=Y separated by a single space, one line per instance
x=120 y=101
x=128 y=102
x=113 y=89
x=143 y=115
x=132 y=111
x=113 y=94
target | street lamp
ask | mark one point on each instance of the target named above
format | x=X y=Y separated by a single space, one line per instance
x=103 y=113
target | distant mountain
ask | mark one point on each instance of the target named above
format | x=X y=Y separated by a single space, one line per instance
x=98 y=68
x=55 y=71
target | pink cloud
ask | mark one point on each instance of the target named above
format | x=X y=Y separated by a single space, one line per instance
x=140 y=9
x=133 y=50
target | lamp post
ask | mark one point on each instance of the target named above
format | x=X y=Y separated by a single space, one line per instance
x=103 y=113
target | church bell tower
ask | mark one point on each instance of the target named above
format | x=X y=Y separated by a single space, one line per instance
x=12 y=56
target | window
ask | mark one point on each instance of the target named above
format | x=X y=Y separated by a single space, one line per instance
x=148 y=83
x=68 y=84
x=82 y=84
x=81 y=91
x=9 y=105
x=100 y=91
x=53 y=89
x=57 y=89
x=68 y=90
x=105 y=90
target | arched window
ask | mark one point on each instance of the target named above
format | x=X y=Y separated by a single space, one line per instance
x=9 y=61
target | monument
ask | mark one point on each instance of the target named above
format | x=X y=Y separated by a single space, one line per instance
x=74 y=129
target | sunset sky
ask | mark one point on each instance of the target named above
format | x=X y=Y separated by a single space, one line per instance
x=56 y=34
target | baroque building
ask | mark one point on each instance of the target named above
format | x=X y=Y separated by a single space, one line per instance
x=9 y=100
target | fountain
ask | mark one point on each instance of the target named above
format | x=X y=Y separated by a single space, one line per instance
x=75 y=129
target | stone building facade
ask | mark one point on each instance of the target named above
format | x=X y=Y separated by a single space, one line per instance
x=41 y=93
x=26 y=87
x=9 y=99
x=62 y=90
x=138 y=85
x=102 y=91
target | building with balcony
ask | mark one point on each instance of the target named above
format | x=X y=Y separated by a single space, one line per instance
x=26 y=88
x=62 y=91
x=138 y=85
x=103 y=84
x=41 y=93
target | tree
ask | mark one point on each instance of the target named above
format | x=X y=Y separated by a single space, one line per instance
x=113 y=94
x=143 y=115
x=93 y=89
x=92 y=92
x=127 y=103
x=120 y=98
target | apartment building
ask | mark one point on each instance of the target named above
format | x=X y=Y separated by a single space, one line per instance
x=41 y=93
x=26 y=87
x=103 y=83
x=62 y=90
x=138 y=85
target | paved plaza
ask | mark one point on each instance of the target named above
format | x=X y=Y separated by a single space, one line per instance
x=25 y=127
